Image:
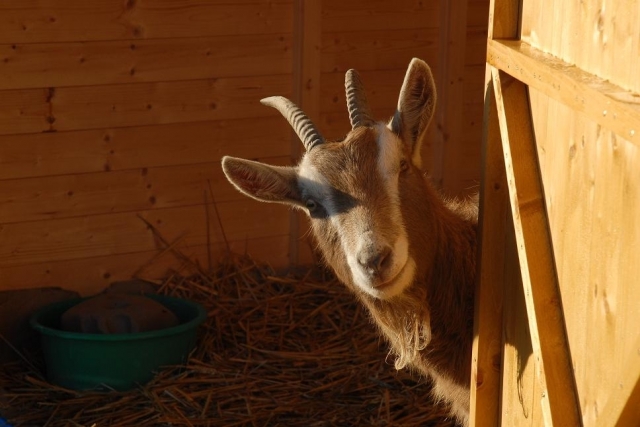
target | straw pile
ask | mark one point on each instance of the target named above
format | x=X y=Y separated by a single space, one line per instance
x=275 y=351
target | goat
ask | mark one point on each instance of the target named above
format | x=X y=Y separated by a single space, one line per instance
x=408 y=254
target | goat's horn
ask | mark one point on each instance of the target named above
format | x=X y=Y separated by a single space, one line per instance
x=301 y=124
x=359 y=113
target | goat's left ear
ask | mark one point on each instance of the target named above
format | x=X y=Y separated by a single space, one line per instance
x=263 y=182
x=416 y=106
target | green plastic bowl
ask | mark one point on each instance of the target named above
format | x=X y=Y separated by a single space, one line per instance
x=82 y=361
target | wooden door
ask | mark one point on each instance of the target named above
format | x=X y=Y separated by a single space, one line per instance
x=558 y=305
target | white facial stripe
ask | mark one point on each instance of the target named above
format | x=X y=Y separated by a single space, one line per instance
x=388 y=152
x=314 y=184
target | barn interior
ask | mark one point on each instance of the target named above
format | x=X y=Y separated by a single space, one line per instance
x=114 y=116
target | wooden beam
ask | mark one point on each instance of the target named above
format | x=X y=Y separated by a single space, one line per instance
x=494 y=208
x=559 y=398
x=609 y=105
x=487 y=353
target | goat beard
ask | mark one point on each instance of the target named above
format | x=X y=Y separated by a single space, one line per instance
x=406 y=323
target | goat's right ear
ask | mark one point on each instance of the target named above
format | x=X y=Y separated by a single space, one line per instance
x=263 y=182
x=416 y=106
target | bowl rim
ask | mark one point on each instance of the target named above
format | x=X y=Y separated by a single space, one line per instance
x=34 y=321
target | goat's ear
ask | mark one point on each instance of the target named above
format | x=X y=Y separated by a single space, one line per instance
x=263 y=182
x=416 y=105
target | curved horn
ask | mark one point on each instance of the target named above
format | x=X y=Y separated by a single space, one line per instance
x=359 y=113
x=301 y=124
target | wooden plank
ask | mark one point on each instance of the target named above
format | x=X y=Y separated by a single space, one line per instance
x=37 y=21
x=493 y=223
x=486 y=399
x=622 y=407
x=126 y=61
x=108 y=234
x=91 y=275
x=165 y=102
x=52 y=197
x=362 y=15
x=607 y=104
x=560 y=404
x=24 y=111
x=114 y=149
x=377 y=49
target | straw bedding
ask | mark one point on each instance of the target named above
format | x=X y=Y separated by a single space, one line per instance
x=274 y=351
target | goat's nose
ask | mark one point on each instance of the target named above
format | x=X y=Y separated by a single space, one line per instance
x=375 y=261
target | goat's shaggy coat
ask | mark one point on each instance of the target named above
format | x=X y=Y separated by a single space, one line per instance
x=408 y=254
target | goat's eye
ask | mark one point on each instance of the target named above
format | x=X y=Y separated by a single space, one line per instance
x=404 y=165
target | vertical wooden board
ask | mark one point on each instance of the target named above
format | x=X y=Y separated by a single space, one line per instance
x=450 y=85
x=487 y=351
x=99 y=63
x=306 y=81
x=37 y=21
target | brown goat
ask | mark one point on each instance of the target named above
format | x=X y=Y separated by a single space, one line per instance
x=408 y=254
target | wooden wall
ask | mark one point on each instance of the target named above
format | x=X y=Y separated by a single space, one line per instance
x=112 y=112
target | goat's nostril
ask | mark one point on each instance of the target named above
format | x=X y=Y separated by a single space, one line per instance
x=384 y=259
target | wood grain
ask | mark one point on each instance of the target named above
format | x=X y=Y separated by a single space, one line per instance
x=127 y=61
x=114 y=149
x=377 y=49
x=361 y=15
x=108 y=234
x=165 y=102
x=52 y=197
x=92 y=275
x=38 y=21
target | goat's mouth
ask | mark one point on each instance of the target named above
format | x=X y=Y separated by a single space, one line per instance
x=397 y=283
